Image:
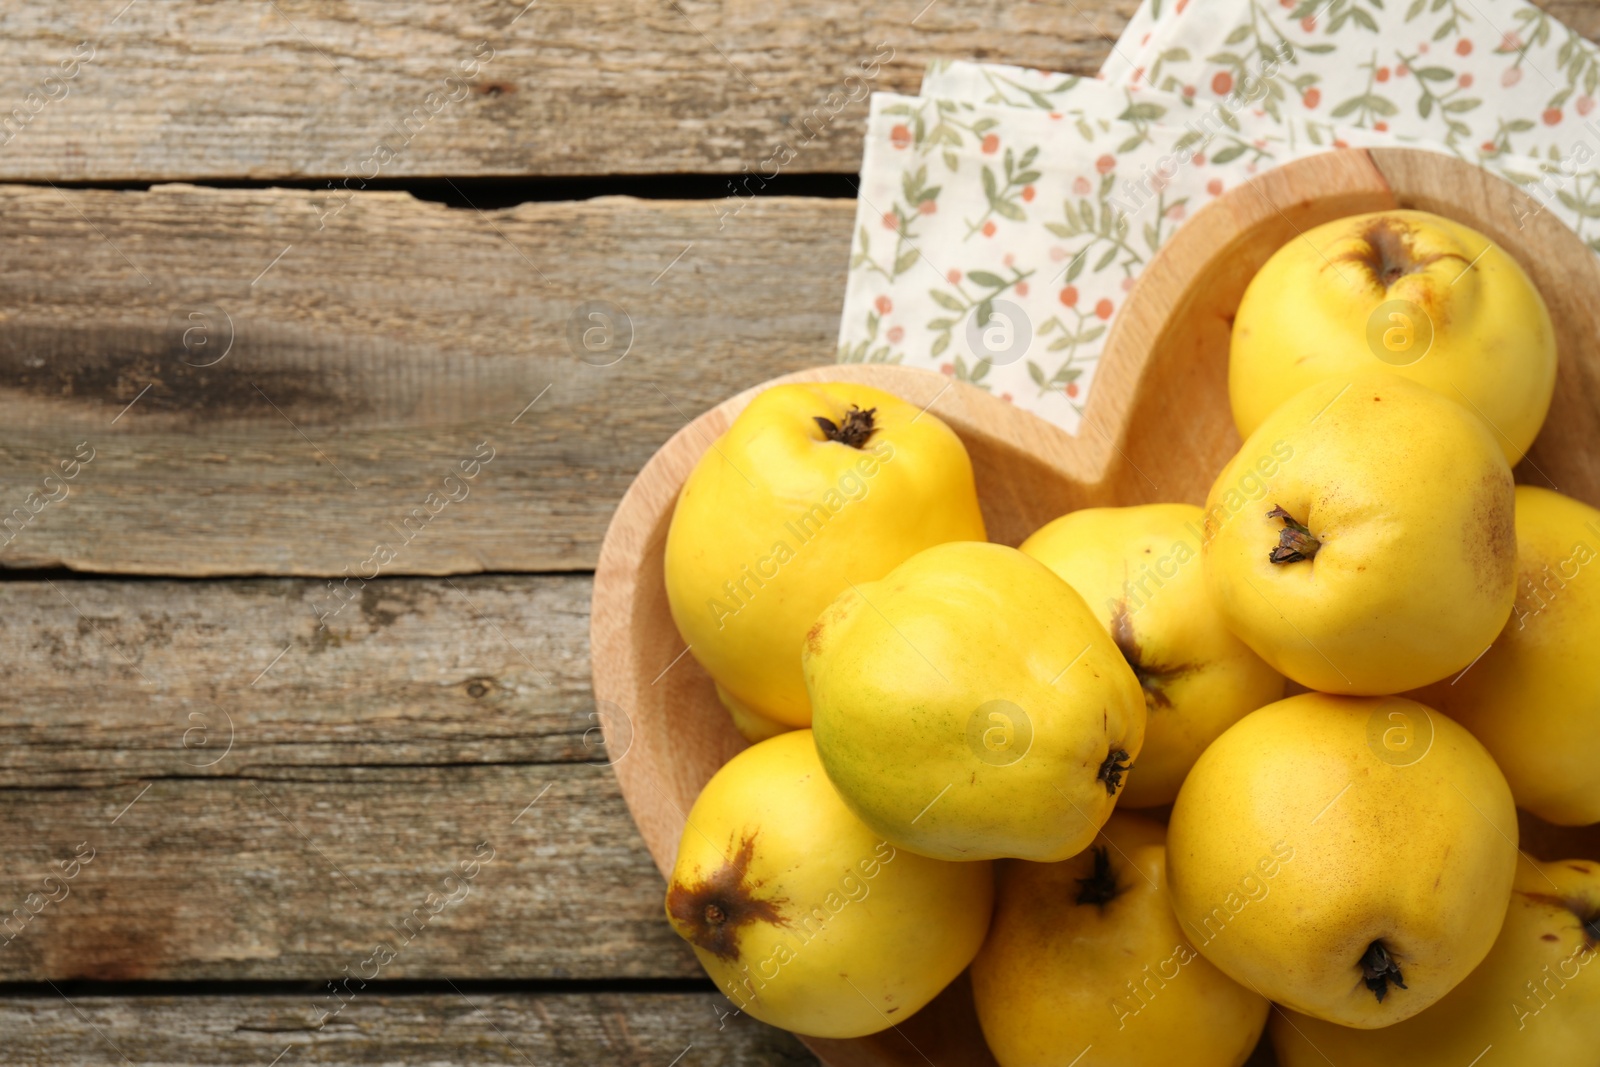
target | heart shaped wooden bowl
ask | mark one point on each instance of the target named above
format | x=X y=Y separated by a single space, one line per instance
x=1157 y=428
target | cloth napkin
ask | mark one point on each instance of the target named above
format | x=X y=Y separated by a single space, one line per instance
x=1005 y=212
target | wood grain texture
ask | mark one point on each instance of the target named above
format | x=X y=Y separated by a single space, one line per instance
x=183 y=89
x=1582 y=15
x=273 y=877
x=551 y=1030
x=370 y=761
x=115 y=681
x=369 y=360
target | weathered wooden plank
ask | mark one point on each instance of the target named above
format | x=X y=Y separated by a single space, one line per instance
x=247 y=814
x=428 y=871
x=1581 y=15
x=183 y=89
x=109 y=682
x=552 y=1030
x=370 y=361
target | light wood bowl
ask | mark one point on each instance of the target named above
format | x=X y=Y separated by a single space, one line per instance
x=1157 y=428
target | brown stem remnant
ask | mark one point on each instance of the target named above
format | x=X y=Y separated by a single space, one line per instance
x=711 y=913
x=1101 y=887
x=1389 y=254
x=1295 y=542
x=1153 y=679
x=853 y=431
x=1111 y=771
x=1379 y=970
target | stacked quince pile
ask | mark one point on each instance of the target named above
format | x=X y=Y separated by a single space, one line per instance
x=924 y=702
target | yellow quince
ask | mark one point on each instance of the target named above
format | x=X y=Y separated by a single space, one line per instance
x=968 y=706
x=1349 y=858
x=1362 y=540
x=1533 y=1000
x=1086 y=966
x=814 y=488
x=804 y=917
x=1534 y=697
x=1138 y=569
x=1406 y=291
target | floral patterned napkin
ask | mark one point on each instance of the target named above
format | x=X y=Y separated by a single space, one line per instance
x=991 y=242
x=1499 y=83
x=1232 y=130
x=1483 y=78
x=1005 y=212
x=1129 y=51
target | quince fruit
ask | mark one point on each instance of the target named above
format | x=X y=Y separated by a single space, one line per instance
x=1425 y=297
x=1362 y=541
x=1534 y=697
x=1348 y=858
x=812 y=489
x=969 y=706
x=1533 y=1000
x=1138 y=569
x=1086 y=966
x=804 y=917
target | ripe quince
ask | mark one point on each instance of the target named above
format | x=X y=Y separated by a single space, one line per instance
x=1086 y=966
x=1426 y=297
x=1534 y=697
x=1362 y=541
x=1533 y=1000
x=1138 y=569
x=804 y=917
x=814 y=487
x=1349 y=858
x=969 y=706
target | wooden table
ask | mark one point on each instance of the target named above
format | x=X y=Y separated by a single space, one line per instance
x=304 y=482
